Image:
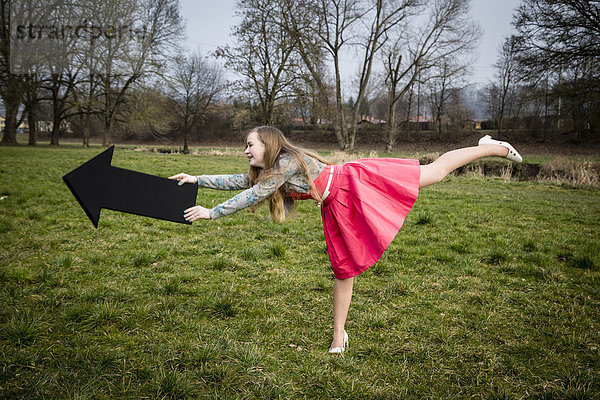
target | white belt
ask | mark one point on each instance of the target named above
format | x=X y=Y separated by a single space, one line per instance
x=326 y=192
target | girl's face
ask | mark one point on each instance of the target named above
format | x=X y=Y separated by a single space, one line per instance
x=255 y=151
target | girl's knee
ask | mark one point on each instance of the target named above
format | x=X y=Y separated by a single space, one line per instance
x=431 y=174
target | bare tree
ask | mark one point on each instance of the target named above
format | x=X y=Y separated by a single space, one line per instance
x=263 y=55
x=14 y=74
x=10 y=87
x=491 y=98
x=457 y=109
x=444 y=84
x=40 y=49
x=335 y=20
x=507 y=79
x=150 y=115
x=32 y=98
x=60 y=87
x=61 y=74
x=555 y=34
x=129 y=39
x=298 y=18
x=31 y=101
x=86 y=96
x=559 y=52
x=153 y=27
x=327 y=30
x=85 y=101
x=305 y=100
x=385 y=16
x=448 y=33
x=194 y=84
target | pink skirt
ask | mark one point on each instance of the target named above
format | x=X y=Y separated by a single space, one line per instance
x=368 y=202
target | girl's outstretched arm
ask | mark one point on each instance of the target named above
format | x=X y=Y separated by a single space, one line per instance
x=286 y=167
x=224 y=182
x=221 y=182
x=248 y=197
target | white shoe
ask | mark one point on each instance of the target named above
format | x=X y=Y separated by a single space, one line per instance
x=512 y=155
x=337 y=350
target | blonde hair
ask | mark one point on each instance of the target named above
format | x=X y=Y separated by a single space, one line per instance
x=275 y=145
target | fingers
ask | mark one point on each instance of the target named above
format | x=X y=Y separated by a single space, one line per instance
x=189 y=214
x=196 y=212
x=184 y=178
x=189 y=211
x=177 y=177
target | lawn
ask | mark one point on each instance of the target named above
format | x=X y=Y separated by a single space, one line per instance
x=490 y=291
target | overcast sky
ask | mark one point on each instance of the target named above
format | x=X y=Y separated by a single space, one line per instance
x=209 y=22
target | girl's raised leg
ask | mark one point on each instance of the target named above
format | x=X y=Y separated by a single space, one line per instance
x=342 y=294
x=448 y=162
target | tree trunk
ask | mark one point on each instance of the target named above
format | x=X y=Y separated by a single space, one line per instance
x=268 y=113
x=108 y=127
x=87 y=122
x=418 y=107
x=86 y=129
x=391 y=126
x=501 y=111
x=106 y=134
x=32 y=120
x=12 y=103
x=186 y=130
x=12 y=96
x=341 y=131
x=409 y=108
x=55 y=126
x=31 y=108
x=354 y=123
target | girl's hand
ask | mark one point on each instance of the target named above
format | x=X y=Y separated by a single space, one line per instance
x=184 y=178
x=196 y=212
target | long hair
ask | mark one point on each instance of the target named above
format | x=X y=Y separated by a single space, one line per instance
x=275 y=145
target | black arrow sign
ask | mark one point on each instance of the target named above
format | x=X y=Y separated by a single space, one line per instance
x=96 y=185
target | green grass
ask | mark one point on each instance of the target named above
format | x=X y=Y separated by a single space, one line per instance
x=490 y=291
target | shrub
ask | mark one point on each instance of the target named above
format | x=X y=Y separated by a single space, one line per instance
x=564 y=170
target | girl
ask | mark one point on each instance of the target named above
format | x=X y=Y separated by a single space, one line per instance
x=363 y=203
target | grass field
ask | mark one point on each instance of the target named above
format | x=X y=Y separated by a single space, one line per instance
x=490 y=291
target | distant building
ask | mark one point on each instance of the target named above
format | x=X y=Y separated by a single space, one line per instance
x=419 y=119
x=471 y=124
x=369 y=119
x=23 y=126
x=299 y=121
x=420 y=123
x=46 y=126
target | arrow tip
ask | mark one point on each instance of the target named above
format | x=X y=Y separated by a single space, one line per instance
x=84 y=182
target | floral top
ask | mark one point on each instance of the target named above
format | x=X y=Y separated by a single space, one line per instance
x=287 y=172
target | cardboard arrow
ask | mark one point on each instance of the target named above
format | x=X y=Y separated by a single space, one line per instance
x=97 y=185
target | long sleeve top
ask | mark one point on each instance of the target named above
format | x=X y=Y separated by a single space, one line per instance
x=287 y=172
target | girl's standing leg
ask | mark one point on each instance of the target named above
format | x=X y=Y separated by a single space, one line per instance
x=448 y=162
x=342 y=294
